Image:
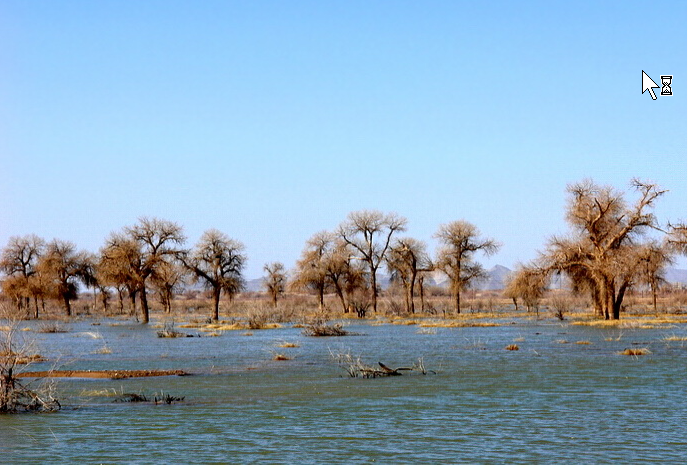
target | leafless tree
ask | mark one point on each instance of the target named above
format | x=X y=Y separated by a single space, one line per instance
x=601 y=253
x=460 y=240
x=167 y=279
x=218 y=261
x=676 y=238
x=527 y=283
x=62 y=268
x=406 y=258
x=654 y=258
x=275 y=281
x=120 y=260
x=369 y=233
x=134 y=255
x=311 y=268
x=18 y=262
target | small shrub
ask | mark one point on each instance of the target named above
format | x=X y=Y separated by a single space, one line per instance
x=320 y=328
x=512 y=347
x=640 y=351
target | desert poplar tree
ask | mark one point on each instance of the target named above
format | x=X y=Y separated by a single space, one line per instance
x=18 y=262
x=601 y=252
x=406 y=258
x=218 y=261
x=63 y=267
x=369 y=233
x=460 y=240
x=275 y=281
x=311 y=268
x=527 y=283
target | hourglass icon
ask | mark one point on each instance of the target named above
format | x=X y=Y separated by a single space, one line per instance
x=666 y=85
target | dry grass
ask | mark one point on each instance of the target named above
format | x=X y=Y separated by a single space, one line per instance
x=636 y=322
x=512 y=347
x=22 y=359
x=635 y=352
x=673 y=337
x=456 y=324
x=561 y=341
x=520 y=339
x=288 y=345
x=103 y=350
x=426 y=331
x=583 y=343
x=280 y=357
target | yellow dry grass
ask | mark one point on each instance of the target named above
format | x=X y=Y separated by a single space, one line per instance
x=456 y=324
x=640 y=351
x=287 y=345
x=673 y=337
x=512 y=347
x=583 y=343
x=636 y=322
x=214 y=327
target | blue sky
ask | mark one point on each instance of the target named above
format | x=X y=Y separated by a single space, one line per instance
x=272 y=120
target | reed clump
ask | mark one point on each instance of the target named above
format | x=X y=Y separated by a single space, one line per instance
x=636 y=352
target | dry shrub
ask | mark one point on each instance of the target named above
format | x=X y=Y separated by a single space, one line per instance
x=321 y=328
x=288 y=345
x=51 y=327
x=512 y=347
x=280 y=357
x=639 y=351
x=673 y=337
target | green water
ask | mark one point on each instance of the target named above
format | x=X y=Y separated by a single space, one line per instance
x=549 y=402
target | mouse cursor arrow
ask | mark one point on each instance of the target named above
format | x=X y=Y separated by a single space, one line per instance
x=648 y=84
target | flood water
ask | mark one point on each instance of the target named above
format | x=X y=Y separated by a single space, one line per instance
x=552 y=401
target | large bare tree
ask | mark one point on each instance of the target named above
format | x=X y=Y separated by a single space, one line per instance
x=601 y=254
x=140 y=250
x=18 y=262
x=311 y=268
x=218 y=261
x=406 y=258
x=460 y=240
x=62 y=268
x=369 y=233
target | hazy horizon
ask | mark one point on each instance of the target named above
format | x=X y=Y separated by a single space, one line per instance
x=271 y=123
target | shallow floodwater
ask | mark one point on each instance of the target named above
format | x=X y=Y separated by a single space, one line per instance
x=551 y=401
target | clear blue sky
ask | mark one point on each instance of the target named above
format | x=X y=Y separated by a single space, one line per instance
x=272 y=120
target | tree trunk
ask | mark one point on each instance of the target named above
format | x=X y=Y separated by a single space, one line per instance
x=515 y=302
x=340 y=294
x=413 y=284
x=373 y=282
x=144 y=306
x=457 y=298
x=421 y=293
x=321 y=297
x=67 y=305
x=216 y=303
x=35 y=303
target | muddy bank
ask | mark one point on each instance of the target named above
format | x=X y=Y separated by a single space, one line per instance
x=111 y=374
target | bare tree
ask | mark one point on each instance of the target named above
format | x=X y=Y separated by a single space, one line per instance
x=602 y=251
x=219 y=262
x=527 y=283
x=119 y=266
x=18 y=262
x=167 y=279
x=654 y=258
x=134 y=255
x=406 y=258
x=275 y=280
x=460 y=240
x=369 y=233
x=311 y=268
x=676 y=238
x=63 y=268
